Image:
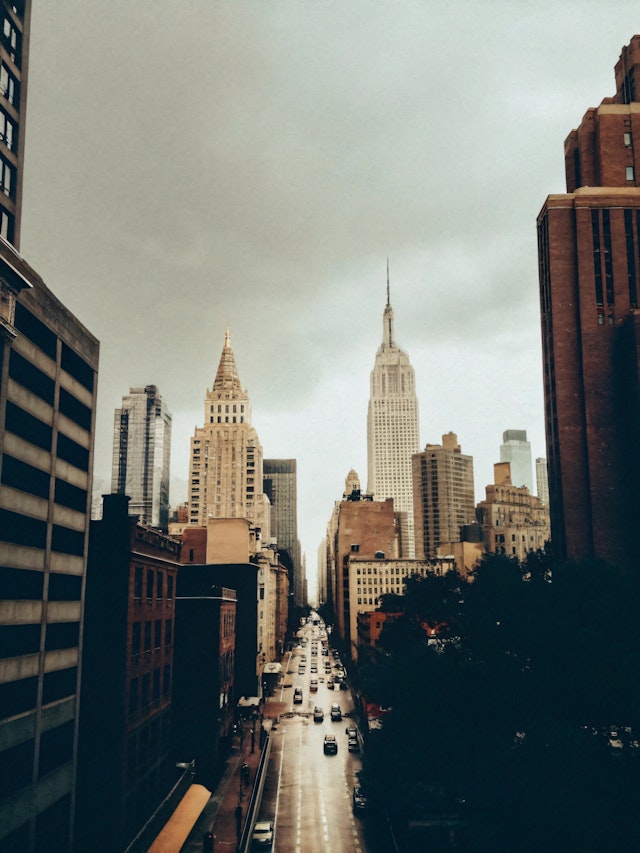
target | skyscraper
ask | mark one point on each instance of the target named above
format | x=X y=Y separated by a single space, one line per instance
x=142 y=454
x=516 y=450
x=542 y=481
x=589 y=266
x=280 y=478
x=443 y=495
x=226 y=469
x=392 y=427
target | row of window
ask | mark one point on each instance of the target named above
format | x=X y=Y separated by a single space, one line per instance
x=56 y=748
x=28 y=585
x=16 y=697
x=143 y=634
x=32 y=532
x=27 y=478
x=146 y=690
x=17 y=640
x=155 y=584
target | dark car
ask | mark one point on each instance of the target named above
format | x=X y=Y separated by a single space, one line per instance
x=330 y=745
x=336 y=713
x=318 y=714
x=360 y=802
x=353 y=745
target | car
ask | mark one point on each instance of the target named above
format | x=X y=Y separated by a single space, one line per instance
x=313 y=685
x=297 y=696
x=330 y=683
x=336 y=712
x=318 y=714
x=351 y=731
x=353 y=745
x=314 y=669
x=330 y=745
x=360 y=802
x=262 y=835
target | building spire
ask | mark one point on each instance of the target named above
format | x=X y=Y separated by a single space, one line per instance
x=227 y=378
x=388 y=297
x=387 y=320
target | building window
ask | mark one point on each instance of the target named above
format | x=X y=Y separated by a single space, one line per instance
x=149 y=584
x=147 y=636
x=170 y=587
x=158 y=634
x=135 y=640
x=627 y=140
x=629 y=173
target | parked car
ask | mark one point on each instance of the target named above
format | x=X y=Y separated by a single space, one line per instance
x=297 y=696
x=318 y=714
x=330 y=745
x=313 y=685
x=330 y=683
x=353 y=744
x=262 y=835
x=360 y=802
x=351 y=731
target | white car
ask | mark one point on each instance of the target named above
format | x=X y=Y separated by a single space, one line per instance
x=262 y=835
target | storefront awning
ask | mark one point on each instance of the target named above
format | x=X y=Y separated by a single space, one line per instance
x=182 y=821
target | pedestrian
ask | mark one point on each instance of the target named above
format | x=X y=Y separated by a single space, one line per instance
x=207 y=842
x=238 y=820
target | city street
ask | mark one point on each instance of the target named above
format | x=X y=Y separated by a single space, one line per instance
x=309 y=794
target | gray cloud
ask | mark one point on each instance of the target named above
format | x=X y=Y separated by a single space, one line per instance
x=191 y=163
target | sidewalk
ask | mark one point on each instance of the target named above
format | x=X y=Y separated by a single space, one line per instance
x=220 y=815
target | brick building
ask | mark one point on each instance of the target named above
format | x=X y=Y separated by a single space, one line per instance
x=127 y=672
x=589 y=267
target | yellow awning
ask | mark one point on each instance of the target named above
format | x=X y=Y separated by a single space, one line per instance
x=182 y=821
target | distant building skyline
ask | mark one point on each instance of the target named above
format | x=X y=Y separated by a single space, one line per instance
x=142 y=454
x=392 y=427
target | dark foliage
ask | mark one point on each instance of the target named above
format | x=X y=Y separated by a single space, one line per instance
x=506 y=714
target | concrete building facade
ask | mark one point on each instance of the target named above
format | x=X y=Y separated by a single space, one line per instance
x=392 y=427
x=142 y=455
x=514 y=521
x=48 y=384
x=443 y=495
x=589 y=271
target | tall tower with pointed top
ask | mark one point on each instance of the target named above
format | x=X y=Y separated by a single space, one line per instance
x=226 y=470
x=392 y=427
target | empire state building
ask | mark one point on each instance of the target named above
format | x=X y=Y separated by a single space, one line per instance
x=392 y=428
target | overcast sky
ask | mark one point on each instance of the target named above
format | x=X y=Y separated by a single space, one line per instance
x=193 y=163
